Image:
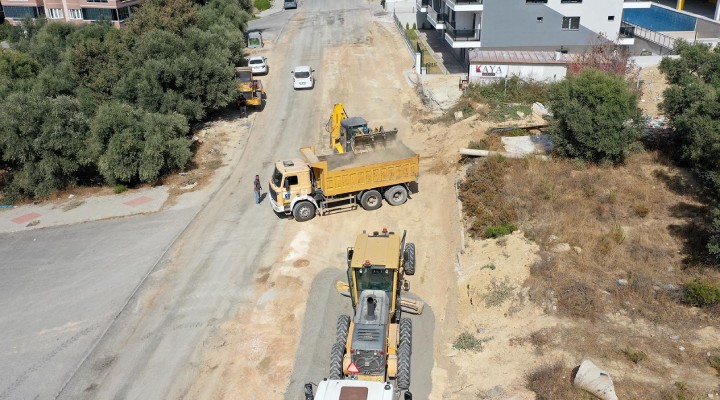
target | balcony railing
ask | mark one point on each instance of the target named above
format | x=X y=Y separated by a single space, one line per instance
x=439 y=18
x=462 y=35
x=626 y=31
x=471 y=2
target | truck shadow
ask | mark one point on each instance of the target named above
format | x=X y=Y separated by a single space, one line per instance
x=324 y=306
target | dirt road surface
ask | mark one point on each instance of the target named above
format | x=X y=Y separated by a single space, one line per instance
x=231 y=306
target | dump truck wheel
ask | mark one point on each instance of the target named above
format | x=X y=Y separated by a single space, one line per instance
x=343 y=328
x=403 y=368
x=410 y=258
x=336 y=361
x=371 y=200
x=396 y=195
x=406 y=333
x=304 y=211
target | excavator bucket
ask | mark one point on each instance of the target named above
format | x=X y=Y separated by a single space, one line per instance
x=374 y=140
x=406 y=305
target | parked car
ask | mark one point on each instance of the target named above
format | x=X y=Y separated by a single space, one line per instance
x=258 y=64
x=290 y=4
x=303 y=77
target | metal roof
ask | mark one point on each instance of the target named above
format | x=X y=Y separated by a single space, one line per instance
x=517 y=57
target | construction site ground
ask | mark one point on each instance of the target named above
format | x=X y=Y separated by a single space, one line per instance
x=243 y=304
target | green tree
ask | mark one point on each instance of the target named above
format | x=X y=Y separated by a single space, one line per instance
x=169 y=15
x=595 y=116
x=42 y=141
x=132 y=145
x=187 y=74
x=692 y=104
x=18 y=65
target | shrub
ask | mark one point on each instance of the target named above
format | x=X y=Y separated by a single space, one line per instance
x=552 y=381
x=262 y=4
x=634 y=355
x=407 y=26
x=414 y=26
x=498 y=292
x=119 y=188
x=595 y=117
x=495 y=231
x=701 y=293
x=468 y=342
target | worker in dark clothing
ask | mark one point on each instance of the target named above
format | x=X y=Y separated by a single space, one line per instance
x=258 y=189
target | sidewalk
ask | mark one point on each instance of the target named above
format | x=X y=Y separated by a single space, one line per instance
x=72 y=211
x=276 y=7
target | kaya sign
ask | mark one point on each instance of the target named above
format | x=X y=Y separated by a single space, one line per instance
x=488 y=71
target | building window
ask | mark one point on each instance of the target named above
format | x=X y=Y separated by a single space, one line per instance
x=539 y=20
x=75 y=14
x=97 y=1
x=14 y=12
x=611 y=18
x=535 y=1
x=571 y=23
x=55 y=13
x=97 y=14
x=571 y=1
x=123 y=13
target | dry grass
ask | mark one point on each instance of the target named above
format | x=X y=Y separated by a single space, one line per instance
x=553 y=381
x=622 y=288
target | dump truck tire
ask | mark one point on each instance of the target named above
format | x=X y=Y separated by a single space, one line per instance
x=336 y=361
x=304 y=211
x=406 y=333
x=396 y=195
x=410 y=258
x=403 y=368
x=371 y=200
x=343 y=328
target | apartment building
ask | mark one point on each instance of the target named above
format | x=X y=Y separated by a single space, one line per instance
x=74 y=11
x=538 y=25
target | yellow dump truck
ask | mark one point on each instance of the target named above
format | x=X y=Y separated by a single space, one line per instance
x=321 y=184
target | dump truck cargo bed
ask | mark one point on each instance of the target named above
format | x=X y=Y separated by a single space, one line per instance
x=338 y=174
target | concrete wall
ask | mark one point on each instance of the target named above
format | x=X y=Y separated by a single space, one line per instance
x=514 y=23
x=536 y=72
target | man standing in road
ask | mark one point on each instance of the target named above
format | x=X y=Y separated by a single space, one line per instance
x=257 y=188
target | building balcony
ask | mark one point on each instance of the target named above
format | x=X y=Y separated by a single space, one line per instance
x=461 y=38
x=422 y=5
x=626 y=36
x=465 y=5
x=437 y=19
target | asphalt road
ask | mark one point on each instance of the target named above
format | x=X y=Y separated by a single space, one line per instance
x=61 y=287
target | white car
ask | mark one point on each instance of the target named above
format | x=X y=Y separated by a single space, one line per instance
x=303 y=77
x=258 y=64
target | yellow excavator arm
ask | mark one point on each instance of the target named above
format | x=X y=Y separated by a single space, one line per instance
x=338 y=114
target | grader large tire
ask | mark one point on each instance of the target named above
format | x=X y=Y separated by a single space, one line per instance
x=343 y=328
x=304 y=211
x=410 y=258
x=371 y=200
x=406 y=333
x=336 y=361
x=396 y=195
x=403 y=367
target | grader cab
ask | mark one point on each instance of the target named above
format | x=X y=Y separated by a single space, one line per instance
x=250 y=90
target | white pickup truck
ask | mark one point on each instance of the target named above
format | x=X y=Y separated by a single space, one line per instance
x=347 y=389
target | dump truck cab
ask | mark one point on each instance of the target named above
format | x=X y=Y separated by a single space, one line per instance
x=290 y=180
x=377 y=262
